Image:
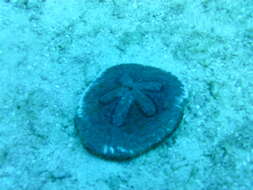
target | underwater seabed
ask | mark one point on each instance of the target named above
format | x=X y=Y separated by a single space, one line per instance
x=51 y=52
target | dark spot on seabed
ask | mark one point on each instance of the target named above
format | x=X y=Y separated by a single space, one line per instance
x=128 y=110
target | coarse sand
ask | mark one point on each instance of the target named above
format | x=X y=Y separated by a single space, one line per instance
x=51 y=50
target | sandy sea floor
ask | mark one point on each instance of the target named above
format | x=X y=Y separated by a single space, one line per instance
x=51 y=50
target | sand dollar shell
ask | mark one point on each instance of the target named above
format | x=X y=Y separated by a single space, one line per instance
x=128 y=110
